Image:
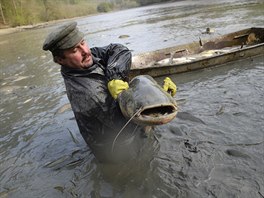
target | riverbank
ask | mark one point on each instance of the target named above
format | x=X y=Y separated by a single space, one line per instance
x=11 y=30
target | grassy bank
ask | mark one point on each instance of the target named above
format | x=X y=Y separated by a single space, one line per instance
x=15 y=13
x=9 y=30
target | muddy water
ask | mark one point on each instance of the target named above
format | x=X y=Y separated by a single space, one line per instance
x=214 y=148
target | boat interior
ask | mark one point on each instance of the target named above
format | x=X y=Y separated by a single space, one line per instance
x=202 y=49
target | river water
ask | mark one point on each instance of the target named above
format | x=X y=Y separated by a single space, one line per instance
x=214 y=148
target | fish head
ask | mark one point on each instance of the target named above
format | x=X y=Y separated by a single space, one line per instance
x=146 y=103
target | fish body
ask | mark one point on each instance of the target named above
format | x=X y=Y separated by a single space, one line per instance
x=145 y=98
x=191 y=57
x=173 y=61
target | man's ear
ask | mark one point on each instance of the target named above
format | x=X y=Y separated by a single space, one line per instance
x=58 y=60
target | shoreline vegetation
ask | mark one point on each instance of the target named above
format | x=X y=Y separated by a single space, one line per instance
x=21 y=15
x=10 y=30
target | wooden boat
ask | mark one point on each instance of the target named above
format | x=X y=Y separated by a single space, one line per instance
x=201 y=54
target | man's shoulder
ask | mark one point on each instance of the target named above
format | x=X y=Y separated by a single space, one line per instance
x=110 y=46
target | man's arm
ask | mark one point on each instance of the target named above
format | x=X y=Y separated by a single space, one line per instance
x=117 y=60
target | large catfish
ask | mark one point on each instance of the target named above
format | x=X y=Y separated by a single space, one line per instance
x=146 y=103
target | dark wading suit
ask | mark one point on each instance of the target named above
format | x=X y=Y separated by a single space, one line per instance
x=97 y=114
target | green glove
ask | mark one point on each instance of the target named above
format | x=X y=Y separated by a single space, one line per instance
x=116 y=86
x=169 y=86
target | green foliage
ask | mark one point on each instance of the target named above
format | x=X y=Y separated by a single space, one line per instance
x=104 y=7
x=17 y=20
x=148 y=2
x=23 y=12
x=124 y=4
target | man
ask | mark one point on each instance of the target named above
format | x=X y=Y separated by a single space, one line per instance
x=93 y=79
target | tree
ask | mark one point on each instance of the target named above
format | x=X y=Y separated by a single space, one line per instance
x=2 y=14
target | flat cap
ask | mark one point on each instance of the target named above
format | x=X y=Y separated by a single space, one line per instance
x=63 y=37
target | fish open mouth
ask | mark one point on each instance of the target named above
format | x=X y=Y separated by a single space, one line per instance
x=156 y=115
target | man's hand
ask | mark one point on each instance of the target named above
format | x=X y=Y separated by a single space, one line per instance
x=116 y=86
x=169 y=86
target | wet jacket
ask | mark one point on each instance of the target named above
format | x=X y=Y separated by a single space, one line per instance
x=97 y=114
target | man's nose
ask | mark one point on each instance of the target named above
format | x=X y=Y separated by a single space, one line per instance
x=84 y=50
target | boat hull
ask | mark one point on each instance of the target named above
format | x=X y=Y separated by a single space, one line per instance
x=237 y=43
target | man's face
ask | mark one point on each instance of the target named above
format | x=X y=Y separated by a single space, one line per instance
x=78 y=57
